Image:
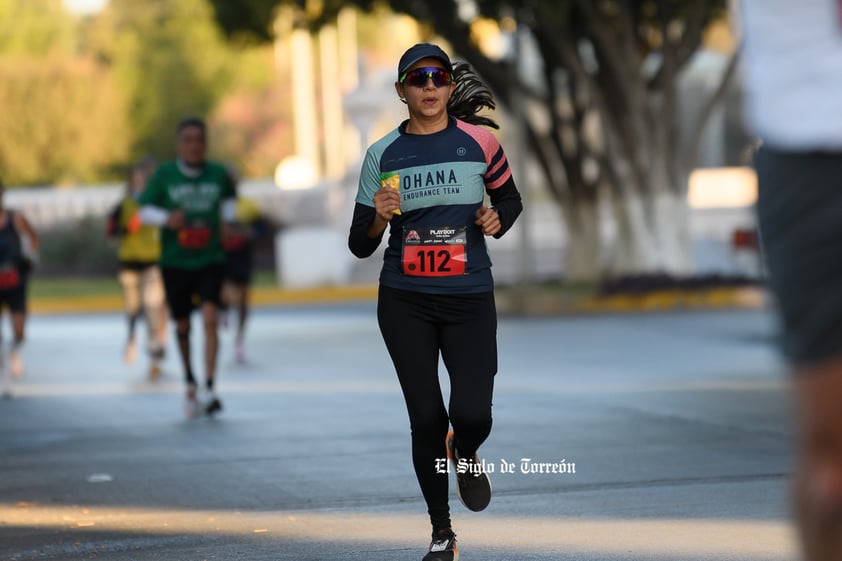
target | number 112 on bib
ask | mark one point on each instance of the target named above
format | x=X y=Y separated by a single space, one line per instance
x=434 y=251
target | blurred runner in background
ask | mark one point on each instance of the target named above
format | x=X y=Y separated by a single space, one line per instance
x=18 y=253
x=248 y=227
x=192 y=200
x=793 y=75
x=140 y=276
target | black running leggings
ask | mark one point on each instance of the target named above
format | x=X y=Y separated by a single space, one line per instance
x=417 y=327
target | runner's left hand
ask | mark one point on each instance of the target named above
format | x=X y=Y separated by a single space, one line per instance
x=489 y=220
x=227 y=231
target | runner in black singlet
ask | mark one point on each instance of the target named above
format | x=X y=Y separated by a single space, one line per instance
x=426 y=180
x=18 y=246
x=248 y=227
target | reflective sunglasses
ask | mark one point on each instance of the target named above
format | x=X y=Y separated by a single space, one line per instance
x=419 y=77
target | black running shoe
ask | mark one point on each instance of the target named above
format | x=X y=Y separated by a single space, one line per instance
x=473 y=487
x=157 y=353
x=212 y=404
x=443 y=547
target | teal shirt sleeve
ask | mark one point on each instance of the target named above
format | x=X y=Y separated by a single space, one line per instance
x=369 y=179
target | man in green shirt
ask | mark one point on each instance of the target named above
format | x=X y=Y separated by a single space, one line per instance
x=192 y=200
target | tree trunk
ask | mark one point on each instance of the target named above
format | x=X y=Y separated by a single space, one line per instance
x=653 y=234
x=672 y=227
x=635 y=249
x=583 y=250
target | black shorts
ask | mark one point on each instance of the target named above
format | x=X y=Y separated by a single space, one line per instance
x=800 y=215
x=186 y=288
x=238 y=266
x=14 y=298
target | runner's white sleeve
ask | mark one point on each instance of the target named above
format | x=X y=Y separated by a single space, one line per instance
x=229 y=210
x=153 y=216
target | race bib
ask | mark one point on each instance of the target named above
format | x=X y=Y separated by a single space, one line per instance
x=9 y=278
x=234 y=242
x=434 y=251
x=194 y=237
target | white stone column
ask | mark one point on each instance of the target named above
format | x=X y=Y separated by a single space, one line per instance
x=333 y=122
x=305 y=122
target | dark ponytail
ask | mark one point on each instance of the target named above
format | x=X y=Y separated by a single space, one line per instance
x=470 y=96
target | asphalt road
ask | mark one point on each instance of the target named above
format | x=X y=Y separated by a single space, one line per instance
x=677 y=424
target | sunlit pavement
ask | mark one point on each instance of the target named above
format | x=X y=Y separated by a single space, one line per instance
x=677 y=425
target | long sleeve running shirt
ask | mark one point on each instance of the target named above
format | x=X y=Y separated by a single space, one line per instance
x=434 y=245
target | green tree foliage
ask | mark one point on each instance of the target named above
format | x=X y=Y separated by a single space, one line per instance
x=41 y=140
x=171 y=59
x=246 y=20
x=83 y=97
x=54 y=126
x=253 y=20
x=34 y=28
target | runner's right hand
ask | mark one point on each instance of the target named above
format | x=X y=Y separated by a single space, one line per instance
x=386 y=200
x=175 y=220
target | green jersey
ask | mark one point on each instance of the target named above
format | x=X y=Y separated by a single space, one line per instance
x=198 y=243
